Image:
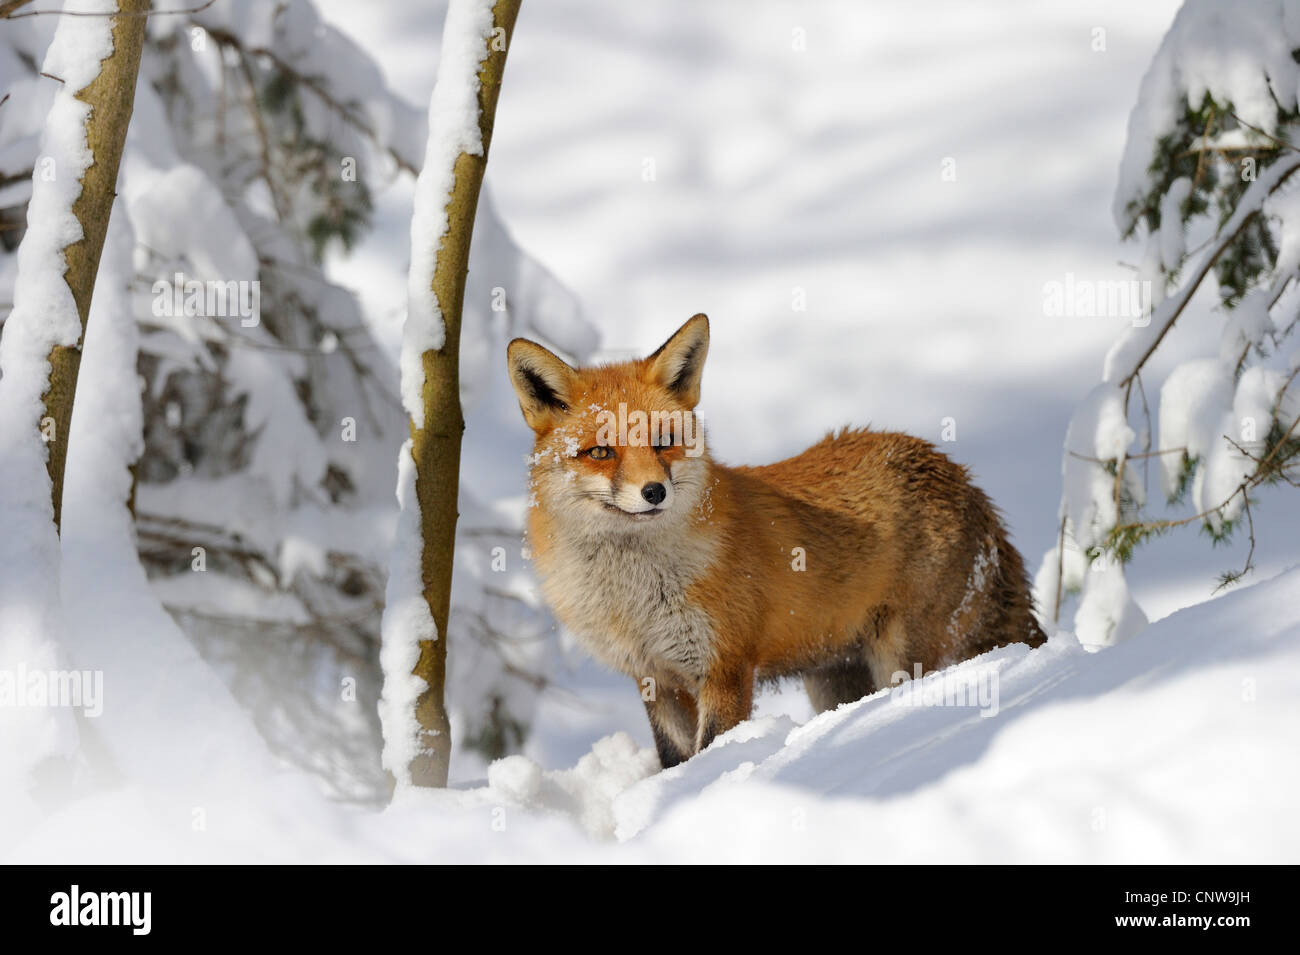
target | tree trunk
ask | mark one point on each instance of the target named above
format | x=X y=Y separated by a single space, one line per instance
x=111 y=97
x=436 y=440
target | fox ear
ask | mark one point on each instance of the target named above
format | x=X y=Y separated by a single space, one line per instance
x=679 y=362
x=542 y=381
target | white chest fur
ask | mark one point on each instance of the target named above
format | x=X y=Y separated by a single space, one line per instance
x=626 y=598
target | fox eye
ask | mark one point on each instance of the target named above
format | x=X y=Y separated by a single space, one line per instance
x=600 y=453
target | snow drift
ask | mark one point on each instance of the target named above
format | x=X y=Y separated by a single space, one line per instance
x=1176 y=746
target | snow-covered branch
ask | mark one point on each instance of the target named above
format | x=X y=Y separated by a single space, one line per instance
x=1132 y=352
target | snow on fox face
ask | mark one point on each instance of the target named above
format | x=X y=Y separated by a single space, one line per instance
x=618 y=446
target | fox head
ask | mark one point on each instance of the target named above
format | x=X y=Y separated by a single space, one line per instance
x=618 y=446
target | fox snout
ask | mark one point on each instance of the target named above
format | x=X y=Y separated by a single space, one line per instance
x=642 y=482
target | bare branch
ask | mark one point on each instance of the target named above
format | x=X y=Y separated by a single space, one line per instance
x=11 y=5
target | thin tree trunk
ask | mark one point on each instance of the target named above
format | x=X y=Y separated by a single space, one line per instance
x=111 y=97
x=436 y=441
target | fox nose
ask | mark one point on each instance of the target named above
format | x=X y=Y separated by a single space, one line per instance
x=654 y=493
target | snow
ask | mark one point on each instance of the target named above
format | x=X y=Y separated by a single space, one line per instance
x=1193 y=400
x=1061 y=572
x=1212 y=47
x=252 y=373
x=1283 y=210
x=44 y=315
x=1099 y=431
x=1246 y=326
x=1175 y=746
x=1238 y=441
x=1240 y=57
x=295 y=31
x=1107 y=614
x=115 y=623
x=1173 y=244
x=297 y=553
x=1125 y=356
x=453 y=129
x=179 y=208
x=407 y=622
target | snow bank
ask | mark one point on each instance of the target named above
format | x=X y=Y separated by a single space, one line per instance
x=1176 y=746
x=44 y=316
x=115 y=624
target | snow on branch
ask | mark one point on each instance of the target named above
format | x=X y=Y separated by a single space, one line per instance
x=453 y=130
x=1221 y=50
x=1131 y=352
x=1210 y=151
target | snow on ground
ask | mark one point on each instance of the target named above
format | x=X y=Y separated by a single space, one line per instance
x=1048 y=765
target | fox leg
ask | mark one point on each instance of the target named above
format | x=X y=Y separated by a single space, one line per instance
x=841 y=682
x=726 y=698
x=865 y=667
x=672 y=720
x=889 y=654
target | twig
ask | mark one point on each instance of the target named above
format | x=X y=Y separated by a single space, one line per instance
x=1230 y=578
x=1200 y=159
x=1251 y=481
x=5 y=13
x=1146 y=444
x=1131 y=457
x=340 y=109
x=1281 y=143
x=1060 y=571
x=16 y=4
x=263 y=141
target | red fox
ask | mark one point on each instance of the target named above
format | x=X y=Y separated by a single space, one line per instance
x=863 y=556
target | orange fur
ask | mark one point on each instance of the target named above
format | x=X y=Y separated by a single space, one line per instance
x=864 y=555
